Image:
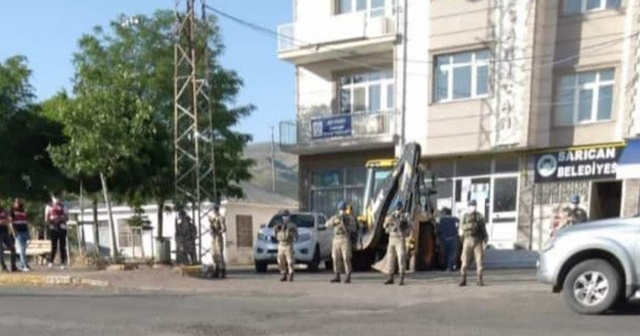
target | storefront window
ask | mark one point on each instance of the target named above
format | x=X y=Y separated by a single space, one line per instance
x=334 y=185
x=472 y=167
x=506 y=165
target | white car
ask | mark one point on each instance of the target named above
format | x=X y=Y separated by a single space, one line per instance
x=312 y=247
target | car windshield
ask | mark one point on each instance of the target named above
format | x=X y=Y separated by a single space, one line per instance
x=300 y=220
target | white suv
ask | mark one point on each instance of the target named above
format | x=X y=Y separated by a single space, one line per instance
x=312 y=247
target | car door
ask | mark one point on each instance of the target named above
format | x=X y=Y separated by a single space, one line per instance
x=323 y=236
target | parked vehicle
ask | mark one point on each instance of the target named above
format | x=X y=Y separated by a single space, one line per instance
x=312 y=247
x=594 y=264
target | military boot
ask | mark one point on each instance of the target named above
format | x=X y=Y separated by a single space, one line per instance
x=291 y=277
x=389 y=280
x=216 y=272
x=480 y=281
x=463 y=281
x=347 y=279
x=283 y=278
x=401 y=283
x=336 y=279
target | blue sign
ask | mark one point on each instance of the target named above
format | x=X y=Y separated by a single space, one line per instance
x=331 y=127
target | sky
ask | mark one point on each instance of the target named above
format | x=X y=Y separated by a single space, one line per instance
x=47 y=31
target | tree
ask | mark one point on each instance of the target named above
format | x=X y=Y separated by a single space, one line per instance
x=26 y=169
x=146 y=52
x=119 y=122
x=105 y=123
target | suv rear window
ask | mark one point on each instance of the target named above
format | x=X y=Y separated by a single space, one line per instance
x=300 y=220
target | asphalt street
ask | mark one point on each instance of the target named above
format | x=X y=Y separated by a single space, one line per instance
x=511 y=304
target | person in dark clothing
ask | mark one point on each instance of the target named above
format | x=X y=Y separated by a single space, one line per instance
x=57 y=220
x=6 y=240
x=449 y=237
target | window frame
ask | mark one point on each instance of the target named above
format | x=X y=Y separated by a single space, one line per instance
x=385 y=81
x=594 y=87
x=371 y=11
x=449 y=68
x=584 y=10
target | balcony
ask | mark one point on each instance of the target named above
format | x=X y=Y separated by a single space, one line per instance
x=322 y=132
x=343 y=35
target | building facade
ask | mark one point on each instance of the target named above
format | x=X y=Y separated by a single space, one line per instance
x=517 y=104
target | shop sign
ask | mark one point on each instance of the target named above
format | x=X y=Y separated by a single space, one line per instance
x=330 y=127
x=577 y=164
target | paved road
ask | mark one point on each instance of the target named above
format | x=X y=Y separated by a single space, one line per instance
x=512 y=304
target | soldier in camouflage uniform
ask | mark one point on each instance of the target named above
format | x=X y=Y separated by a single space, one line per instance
x=218 y=228
x=474 y=234
x=186 y=234
x=398 y=228
x=286 y=233
x=343 y=228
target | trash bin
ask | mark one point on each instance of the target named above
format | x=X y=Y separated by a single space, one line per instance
x=163 y=250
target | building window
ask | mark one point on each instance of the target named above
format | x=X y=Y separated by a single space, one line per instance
x=462 y=75
x=373 y=7
x=583 y=6
x=328 y=187
x=368 y=92
x=244 y=230
x=585 y=97
x=128 y=237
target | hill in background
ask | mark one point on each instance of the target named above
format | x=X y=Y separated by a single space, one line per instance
x=286 y=167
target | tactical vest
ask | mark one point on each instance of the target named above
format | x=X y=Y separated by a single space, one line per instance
x=284 y=234
x=340 y=228
x=471 y=225
x=19 y=219
x=398 y=227
x=56 y=212
x=216 y=226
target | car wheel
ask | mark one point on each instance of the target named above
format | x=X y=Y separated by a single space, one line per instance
x=592 y=287
x=261 y=267
x=314 y=265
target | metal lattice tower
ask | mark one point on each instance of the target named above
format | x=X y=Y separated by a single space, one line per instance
x=194 y=163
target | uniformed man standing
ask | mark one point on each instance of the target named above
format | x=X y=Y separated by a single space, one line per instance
x=286 y=233
x=218 y=228
x=398 y=228
x=343 y=228
x=474 y=233
x=186 y=234
x=6 y=240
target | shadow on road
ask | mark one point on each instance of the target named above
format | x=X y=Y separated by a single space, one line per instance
x=631 y=308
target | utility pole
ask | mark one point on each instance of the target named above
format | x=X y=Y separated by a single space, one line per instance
x=194 y=166
x=273 y=162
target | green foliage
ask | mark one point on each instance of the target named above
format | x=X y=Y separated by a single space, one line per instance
x=26 y=169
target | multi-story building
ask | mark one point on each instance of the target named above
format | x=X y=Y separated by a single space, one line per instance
x=516 y=103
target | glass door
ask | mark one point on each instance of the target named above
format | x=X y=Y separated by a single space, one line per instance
x=502 y=226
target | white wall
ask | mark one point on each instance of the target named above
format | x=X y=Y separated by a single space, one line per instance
x=260 y=214
x=417 y=70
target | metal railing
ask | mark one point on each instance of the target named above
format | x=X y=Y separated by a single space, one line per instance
x=348 y=26
x=317 y=129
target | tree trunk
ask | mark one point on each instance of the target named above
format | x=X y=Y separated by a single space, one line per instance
x=160 y=218
x=96 y=227
x=112 y=229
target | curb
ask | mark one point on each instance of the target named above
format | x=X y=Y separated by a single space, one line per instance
x=194 y=271
x=58 y=280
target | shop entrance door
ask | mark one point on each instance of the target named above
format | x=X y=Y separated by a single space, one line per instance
x=605 y=200
x=503 y=227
